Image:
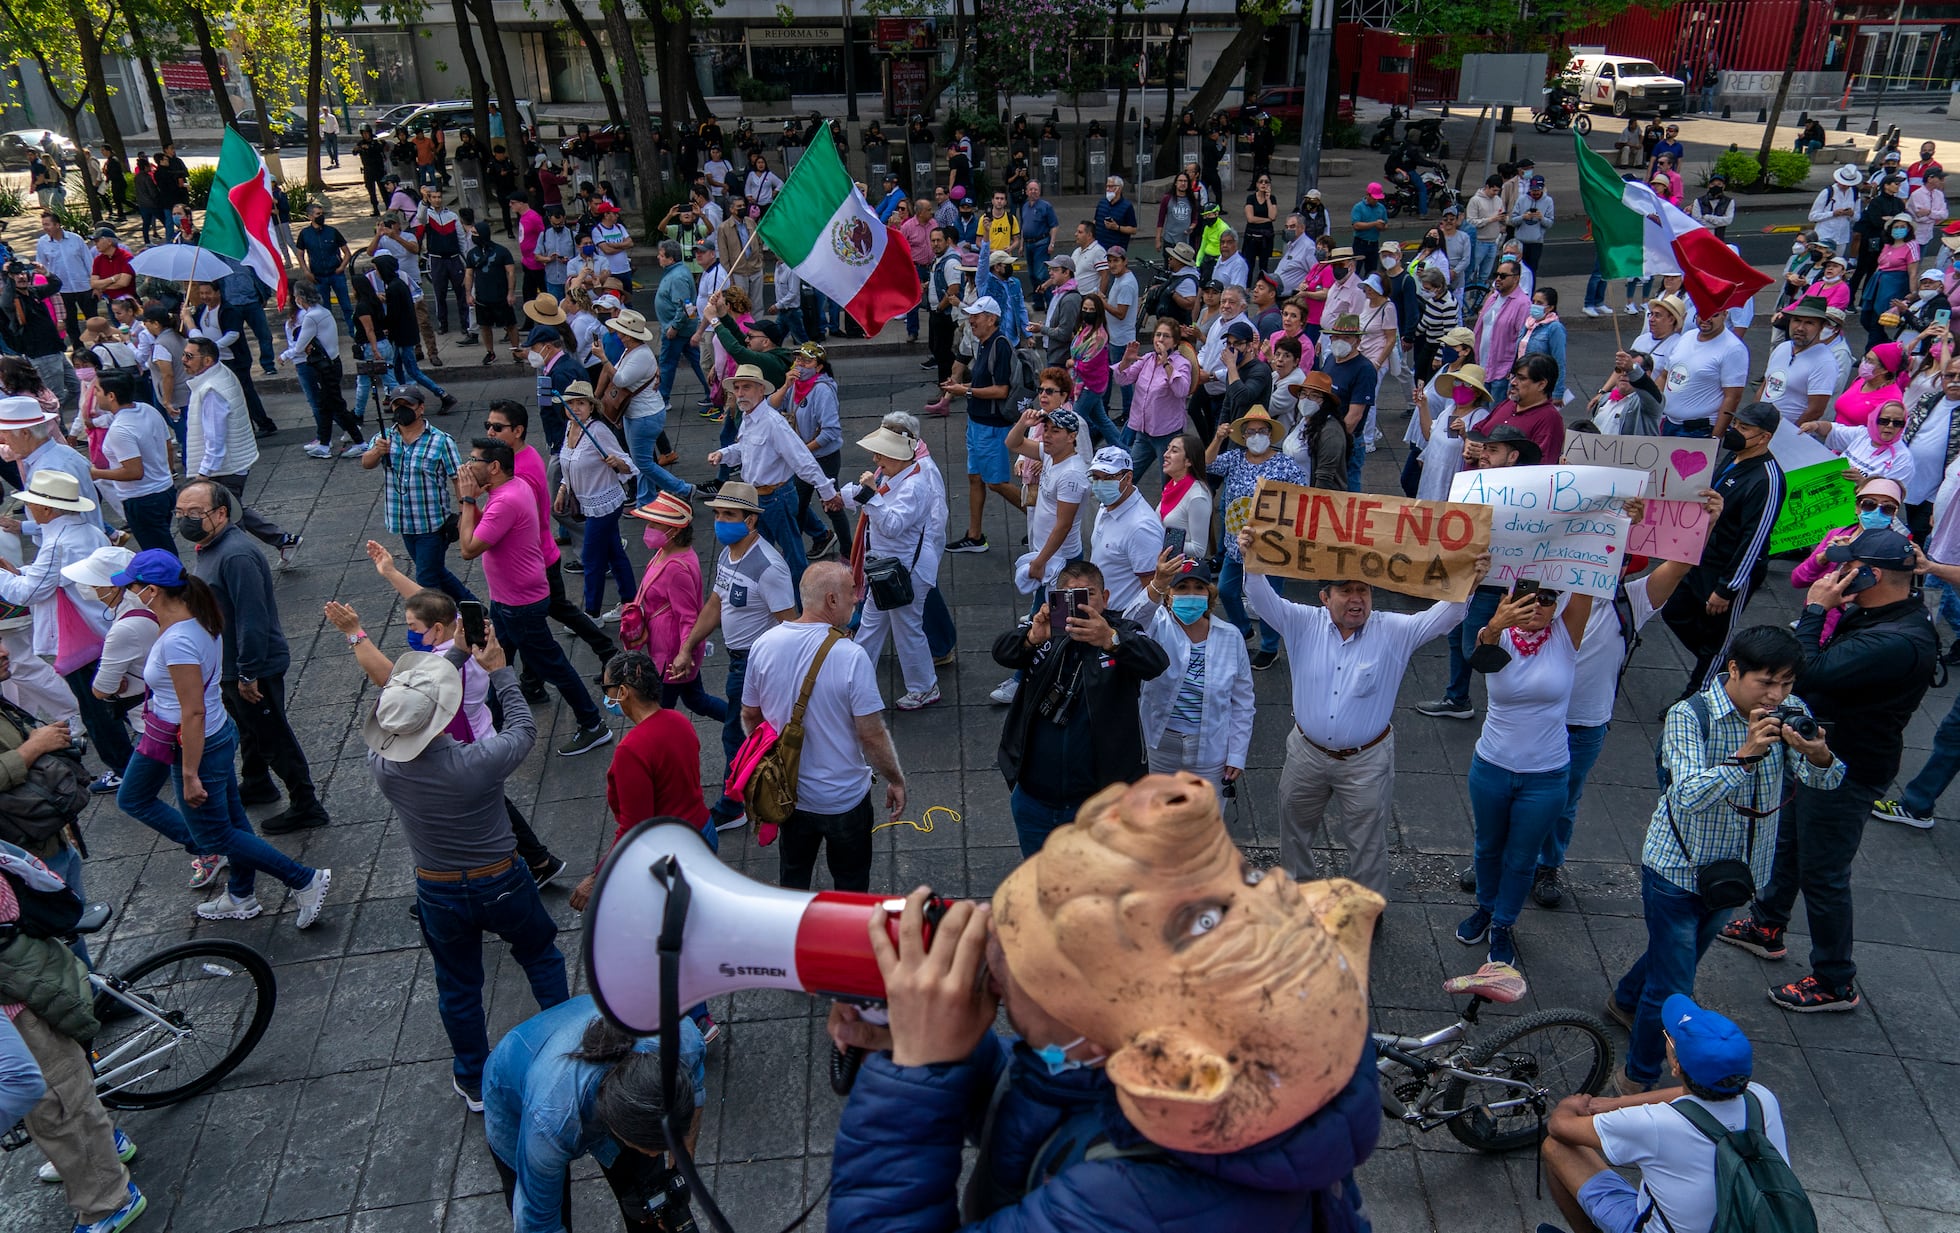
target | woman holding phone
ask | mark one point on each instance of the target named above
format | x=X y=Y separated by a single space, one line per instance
x=1197 y=714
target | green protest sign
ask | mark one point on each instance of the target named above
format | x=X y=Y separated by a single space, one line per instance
x=1817 y=499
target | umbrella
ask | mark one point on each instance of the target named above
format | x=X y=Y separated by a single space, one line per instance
x=183 y=263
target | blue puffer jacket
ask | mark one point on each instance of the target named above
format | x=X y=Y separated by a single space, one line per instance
x=897 y=1166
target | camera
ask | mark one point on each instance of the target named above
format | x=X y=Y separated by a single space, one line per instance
x=1797 y=720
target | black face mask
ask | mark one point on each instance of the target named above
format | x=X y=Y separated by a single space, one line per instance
x=193 y=530
x=1732 y=440
x=405 y=414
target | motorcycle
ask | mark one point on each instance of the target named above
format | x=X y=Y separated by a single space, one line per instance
x=1565 y=113
x=1402 y=200
x=1385 y=131
x=1426 y=133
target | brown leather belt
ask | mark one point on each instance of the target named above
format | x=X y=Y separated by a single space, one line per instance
x=466 y=875
x=763 y=490
x=1342 y=755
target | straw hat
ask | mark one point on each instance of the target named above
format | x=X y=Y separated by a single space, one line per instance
x=738 y=496
x=749 y=372
x=1471 y=375
x=1256 y=415
x=545 y=310
x=890 y=443
x=21 y=411
x=55 y=490
x=579 y=389
x=665 y=510
x=420 y=699
x=1672 y=304
x=632 y=325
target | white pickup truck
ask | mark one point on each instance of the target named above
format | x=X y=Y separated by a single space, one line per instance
x=1627 y=85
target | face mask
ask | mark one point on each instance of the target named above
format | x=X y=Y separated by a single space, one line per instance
x=1107 y=492
x=1056 y=1058
x=86 y=375
x=404 y=416
x=418 y=642
x=1389 y=263
x=534 y=359
x=1900 y=233
x=1831 y=276
x=1462 y=395
x=1258 y=442
x=1732 y=440
x=1874 y=520
x=193 y=530
x=612 y=706
x=731 y=533
x=1189 y=608
x=482 y=239
x=1796 y=248
x=656 y=539
x=1341 y=348
x=1865 y=370
x=1537 y=312
x=1923 y=295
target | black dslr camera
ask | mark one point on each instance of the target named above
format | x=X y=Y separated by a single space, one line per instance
x=1797 y=720
x=667 y=1208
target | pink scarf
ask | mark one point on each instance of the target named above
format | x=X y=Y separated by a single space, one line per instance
x=1528 y=643
x=1174 y=491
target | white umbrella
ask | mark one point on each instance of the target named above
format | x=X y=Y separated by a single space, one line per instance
x=183 y=263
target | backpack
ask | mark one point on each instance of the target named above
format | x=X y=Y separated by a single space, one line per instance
x=48 y=909
x=1756 y=1191
x=763 y=775
x=1023 y=375
x=52 y=796
x=113 y=357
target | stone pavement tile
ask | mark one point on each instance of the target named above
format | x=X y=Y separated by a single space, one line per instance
x=1901 y=1219
x=1880 y=1105
x=1470 y=1192
x=1559 y=959
x=766 y=1091
x=384 y=925
x=422 y=1036
x=1849 y=1215
x=1915 y=1013
x=1905 y=919
x=923 y=791
x=763 y=1193
x=230 y=1179
x=1432 y=812
x=320 y=1171
x=365 y=1012
x=407 y=1218
x=1392 y=1188
x=930 y=739
x=477 y=1212
x=411 y=1158
x=331 y=1224
x=1819 y=1144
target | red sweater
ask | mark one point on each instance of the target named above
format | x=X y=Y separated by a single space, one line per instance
x=656 y=773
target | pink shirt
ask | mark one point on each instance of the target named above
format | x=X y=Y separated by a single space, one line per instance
x=1856 y=404
x=918 y=238
x=1161 y=392
x=529 y=227
x=1898 y=256
x=1321 y=279
x=530 y=469
x=1836 y=295
x=671 y=595
x=512 y=564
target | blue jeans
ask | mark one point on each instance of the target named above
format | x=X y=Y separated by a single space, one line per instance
x=1945 y=596
x=1145 y=450
x=732 y=736
x=364 y=384
x=833 y=315
x=779 y=528
x=149 y=519
x=672 y=352
x=1500 y=389
x=1941 y=764
x=1357 y=458
x=1091 y=407
x=66 y=864
x=1034 y=819
x=1595 y=288
x=522 y=627
x=407 y=371
x=696 y=697
x=331 y=285
x=1679 y=932
x=554 y=289
x=912 y=316
x=430 y=552
x=1582 y=745
x=1483 y=602
x=1037 y=254
x=1231 y=591
x=643 y=443
x=602 y=550
x=1672 y=428
x=941 y=636
x=1483 y=257
x=255 y=318
x=455 y=916
x=219 y=826
x=1514 y=812
x=791 y=319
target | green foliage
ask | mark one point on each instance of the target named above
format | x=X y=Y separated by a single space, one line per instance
x=298 y=195
x=72 y=212
x=200 y=184
x=1738 y=168
x=1341 y=134
x=13 y=202
x=756 y=90
x=980 y=125
x=1788 y=168
x=1470 y=26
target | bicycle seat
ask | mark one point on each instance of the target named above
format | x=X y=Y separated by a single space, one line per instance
x=94 y=916
x=1493 y=982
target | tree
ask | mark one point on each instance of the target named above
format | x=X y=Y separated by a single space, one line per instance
x=473 y=67
x=590 y=37
x=315 y=54
x=493 y=49
x=207 y=54
x=1255 y=20
x=144 y=43
x=49 y=35
x=632 y=80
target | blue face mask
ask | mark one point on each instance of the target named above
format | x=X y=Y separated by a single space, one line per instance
x=1874 y=520
x=612 y=705
x=1108 y=492
x=731 y=533
x=1056 y=1058
x=1537 y=312
x=417 y=642
x=1189 y=608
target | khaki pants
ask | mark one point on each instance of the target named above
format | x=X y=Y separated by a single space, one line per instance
x=430 y=351
x=1363 y=787
x=70 y=1125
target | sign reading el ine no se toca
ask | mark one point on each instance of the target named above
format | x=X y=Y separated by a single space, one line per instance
x=1423 y=548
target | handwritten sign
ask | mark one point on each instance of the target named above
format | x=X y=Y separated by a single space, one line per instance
x=1816 y=499
x=1557 y=525
x=1671 y=531
x=1423 y=548
x=1677 y=468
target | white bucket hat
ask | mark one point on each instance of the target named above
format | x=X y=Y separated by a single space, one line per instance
x=98 y=568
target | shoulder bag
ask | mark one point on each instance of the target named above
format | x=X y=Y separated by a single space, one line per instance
x=616 y=398
x=763 y=775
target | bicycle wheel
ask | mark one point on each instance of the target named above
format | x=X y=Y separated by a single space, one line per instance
x=1473 y=299
x=218 y=993
x=1563 y=1051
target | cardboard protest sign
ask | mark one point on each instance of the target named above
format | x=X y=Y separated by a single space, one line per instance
x=1427 y=549
x=1557 y=525
x=1816 y=499
x=1671 y=531
x=1677 y=468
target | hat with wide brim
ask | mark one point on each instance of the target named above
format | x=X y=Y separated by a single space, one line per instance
x=1673 y=305
x=545 y=309
x=665 y=510
x=1345 y=323
x=1808 y=306
x=1471 y=375
x=738 y=496
x=1255 y=415
x=631 y=325
x=98 y=568
x=890 y=443
x=20 y=411
x=578 y=389
x=1530 y=454
x=422 y=695
x=55 y=490
x=1340 y=254
x=1184 y=253
x=1846 y=175
x=749 y=372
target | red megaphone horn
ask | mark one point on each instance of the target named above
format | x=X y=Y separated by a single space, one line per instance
x=737 y=933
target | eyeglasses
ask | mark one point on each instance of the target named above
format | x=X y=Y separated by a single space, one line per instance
x=1867 y=505
x=1891 y=423
x=1049 y=389
x=199 y=514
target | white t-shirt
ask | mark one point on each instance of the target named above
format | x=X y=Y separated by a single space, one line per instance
x=1527 y=703
x=1791 y=378
x=752 y=591
x=1699 y=371
x=1127 y=541
x=1662 y=351
x=832 y=776
x=186 y=642
x=1676 y=1161
x=1601 y=651
x=1122 y=331
x=1060 y=481
x=139 y=431
x=1928 y=451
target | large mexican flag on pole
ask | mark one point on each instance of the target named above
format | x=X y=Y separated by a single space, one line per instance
x=239 y=220
x=823 y=227
x=1638 y=234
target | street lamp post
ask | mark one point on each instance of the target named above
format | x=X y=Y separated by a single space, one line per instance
x=1313 y=94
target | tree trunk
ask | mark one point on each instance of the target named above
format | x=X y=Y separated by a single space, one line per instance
x=268 y=140
x=632 y=81
x=1782 y=93
x=590 y=38
x=316 y=39
x=90 y=39
x=1230 y=61
x=1167 y=135
x=959 y=61
x=683 y=45
x=493 y=51
x=152 y=82
x=671 y=58
x=207 y=54
x=473 y=66
x=1122 y=87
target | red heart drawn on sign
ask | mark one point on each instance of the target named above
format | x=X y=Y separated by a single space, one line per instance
x=1611 y=548
x=1687 y=462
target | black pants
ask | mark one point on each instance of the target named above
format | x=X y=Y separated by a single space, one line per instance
x=635 y=1178
x=119 y=196
x=530 y=849
x=1702 y=633
x=77 y=306
x=939 y=340
x=373 y=185
x=266 y=741
x=831 y=463
x=1203 y=407
x=1815 y=845
x=532 y=281
x=847 y=839
x=330 y=403
x=1531 y=253
x=240 y=364
x=572 y=617
x=102 y=718
x=446 y=274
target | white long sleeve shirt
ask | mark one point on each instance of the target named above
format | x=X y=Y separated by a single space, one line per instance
x=1834 y=197
x=769 y=452
x=64 y=541
x=219 y=436
x=905 y=518
x=315 y=324
x=1225 y=728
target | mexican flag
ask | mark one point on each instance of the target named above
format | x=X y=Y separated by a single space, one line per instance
x=1639 y=235
x=821 y=225
x=239 y=220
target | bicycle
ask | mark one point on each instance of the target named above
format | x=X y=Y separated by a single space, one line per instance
x=175 y=1023
x=1428 y=1081
x=1473 y=298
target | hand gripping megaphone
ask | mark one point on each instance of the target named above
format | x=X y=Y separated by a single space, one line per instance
x=661 y=884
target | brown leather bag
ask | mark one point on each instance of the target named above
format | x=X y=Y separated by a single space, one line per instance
x=613 y=403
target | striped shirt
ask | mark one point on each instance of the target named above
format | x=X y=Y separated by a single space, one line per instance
x=1187 y=709
x=1438 y=317
x=419 y=475
x=1707 y=784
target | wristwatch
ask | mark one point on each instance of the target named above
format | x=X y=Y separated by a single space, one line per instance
x=1814 y=610
x=467 y=500
x=1115 y=638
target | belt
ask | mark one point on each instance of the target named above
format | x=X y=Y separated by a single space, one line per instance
x=1342 y=755
x=763 y=490
x=467 y=875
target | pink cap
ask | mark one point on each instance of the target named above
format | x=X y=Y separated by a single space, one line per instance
x=1375 y=191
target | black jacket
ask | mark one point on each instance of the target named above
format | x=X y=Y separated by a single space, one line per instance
x=24 y=322
x=1865 y=683
x=1110 y=686
x=1736 y=556
x=1253 y=388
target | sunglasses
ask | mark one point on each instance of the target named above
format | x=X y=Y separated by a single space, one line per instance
x=1545 y=599
x=1049 y=389
x=1866 y=505
x=1891 y=423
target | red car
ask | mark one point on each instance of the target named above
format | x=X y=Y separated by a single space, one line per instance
x=1282 y=103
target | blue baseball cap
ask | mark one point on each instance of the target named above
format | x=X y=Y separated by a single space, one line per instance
x=542 y=334
x=152 y=567
x=1711 y=1049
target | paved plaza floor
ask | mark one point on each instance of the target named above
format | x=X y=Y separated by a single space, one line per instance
x=343 y=1118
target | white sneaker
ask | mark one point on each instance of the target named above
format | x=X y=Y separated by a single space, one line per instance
x=354 y=450
x=1004 y=692
x=735 y=823
x=229 y=907
x=611 y=615
x=1634 y=310
x=313 y=449
x=1591 y=310
x=913 y=701
x=312 y=897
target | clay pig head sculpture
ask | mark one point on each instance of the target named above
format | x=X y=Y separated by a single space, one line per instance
x=1233 y=1001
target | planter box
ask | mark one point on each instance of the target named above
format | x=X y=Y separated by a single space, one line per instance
x=781 y=107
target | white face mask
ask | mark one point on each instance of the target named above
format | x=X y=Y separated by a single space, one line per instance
x=1258 y=442
x=1796 y=248
x=534 y=359
x=1341 y=348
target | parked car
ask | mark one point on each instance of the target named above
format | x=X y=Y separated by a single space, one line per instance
x=1626 y=84
x=16 y=144
x=1282 y=103
x=289 y=127
x=449 y=116
x=389 y=118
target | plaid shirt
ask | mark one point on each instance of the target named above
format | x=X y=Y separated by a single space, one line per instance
x=419 y=476
x=1708 y=785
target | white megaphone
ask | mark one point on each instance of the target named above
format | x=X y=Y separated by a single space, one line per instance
x=738 y=933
